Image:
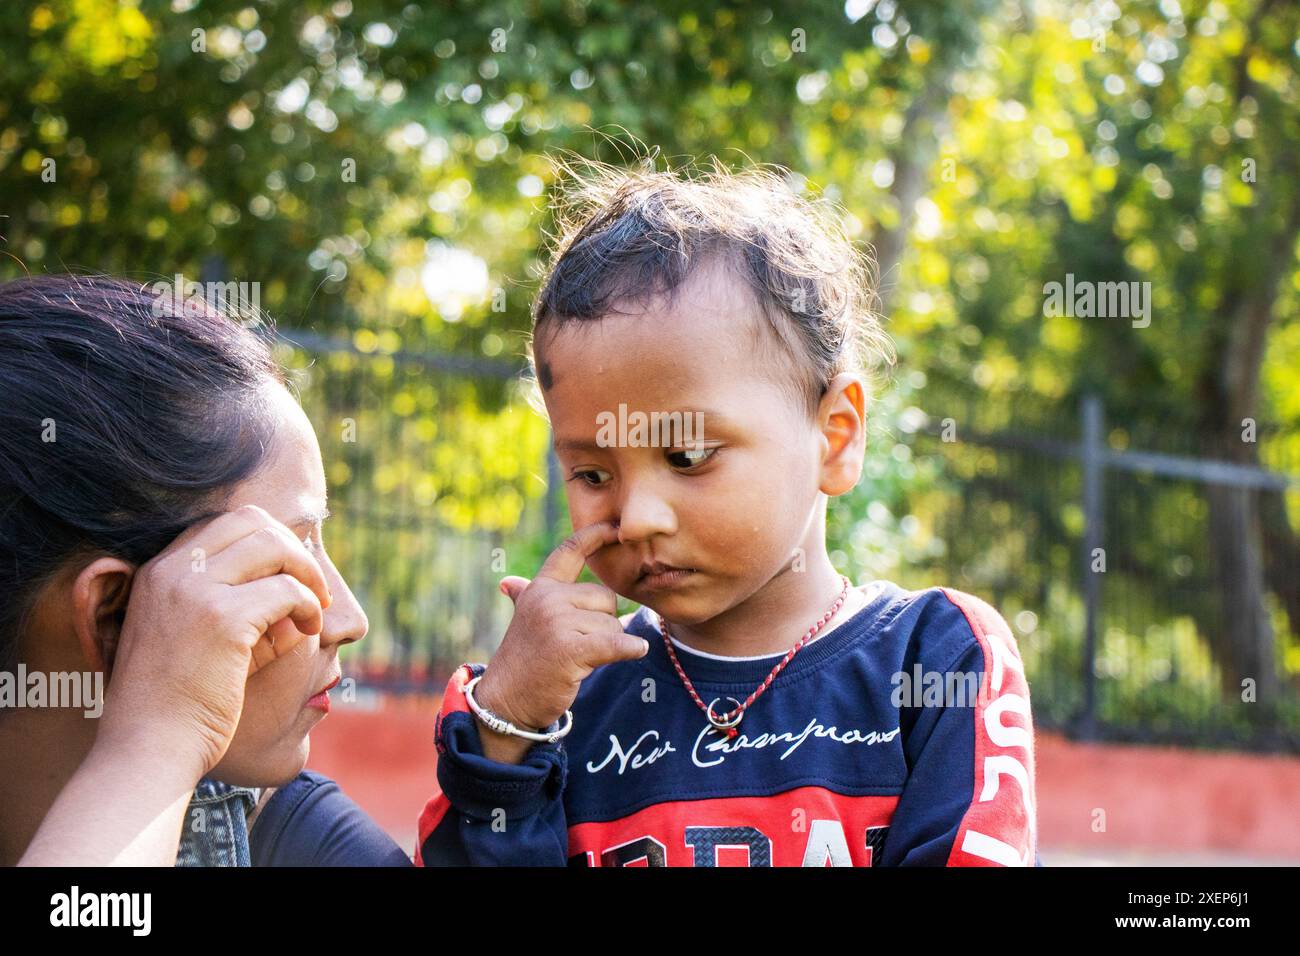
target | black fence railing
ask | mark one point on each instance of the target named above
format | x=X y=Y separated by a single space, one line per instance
x=437 y=478
x=1154 y=594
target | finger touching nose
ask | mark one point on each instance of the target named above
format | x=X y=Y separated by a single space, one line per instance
x=644 y=515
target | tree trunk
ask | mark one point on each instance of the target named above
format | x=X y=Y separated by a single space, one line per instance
x=1243 y=642
x=1241 y=636
x=925 y=119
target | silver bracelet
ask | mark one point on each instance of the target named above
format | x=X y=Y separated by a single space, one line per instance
x=503 y=726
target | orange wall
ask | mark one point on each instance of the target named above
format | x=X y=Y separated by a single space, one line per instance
x=1167 y=799
x=1154 y=798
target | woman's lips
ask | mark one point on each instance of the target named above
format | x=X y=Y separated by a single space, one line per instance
x=321 y=700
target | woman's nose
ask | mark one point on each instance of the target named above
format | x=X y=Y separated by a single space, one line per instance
x=344 y=620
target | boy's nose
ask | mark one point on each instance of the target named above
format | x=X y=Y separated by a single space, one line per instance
x=643 y=515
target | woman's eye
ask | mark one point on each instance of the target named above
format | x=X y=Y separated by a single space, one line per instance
x=690 y=457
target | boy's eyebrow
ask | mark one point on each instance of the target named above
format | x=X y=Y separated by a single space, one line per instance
x=574 y=444
x=709 y=415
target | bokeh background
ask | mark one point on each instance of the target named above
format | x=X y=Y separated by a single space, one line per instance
x=1125 y=491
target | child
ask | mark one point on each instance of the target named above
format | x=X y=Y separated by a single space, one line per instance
x=699 y=344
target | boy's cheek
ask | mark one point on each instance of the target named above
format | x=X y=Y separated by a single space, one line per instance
x=611 y=574
x=581 y=513
x=579 y=503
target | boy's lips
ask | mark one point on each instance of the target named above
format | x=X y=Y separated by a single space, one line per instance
x=656 y=575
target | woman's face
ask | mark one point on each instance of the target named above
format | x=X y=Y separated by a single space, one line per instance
x=271 y=744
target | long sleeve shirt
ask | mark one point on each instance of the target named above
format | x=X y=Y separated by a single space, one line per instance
x=903 y=736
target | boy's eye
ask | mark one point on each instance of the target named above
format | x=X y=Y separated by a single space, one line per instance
x=690 y=457
x=590 y=477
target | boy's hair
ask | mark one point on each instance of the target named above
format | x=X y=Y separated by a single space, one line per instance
x=631 y=235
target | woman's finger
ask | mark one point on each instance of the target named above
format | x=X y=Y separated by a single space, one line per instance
x=265 y=601
x=262 y=654
x=281 y=638
x=216 y=534
x=270 y=549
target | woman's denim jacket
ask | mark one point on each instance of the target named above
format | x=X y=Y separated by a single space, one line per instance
x=215 y=832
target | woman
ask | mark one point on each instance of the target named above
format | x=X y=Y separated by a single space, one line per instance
x=161 y=501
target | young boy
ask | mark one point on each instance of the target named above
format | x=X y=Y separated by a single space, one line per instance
x=699 y=344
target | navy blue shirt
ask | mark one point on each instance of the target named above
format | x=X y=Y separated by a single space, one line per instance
x=903 y=737
x=311 y=822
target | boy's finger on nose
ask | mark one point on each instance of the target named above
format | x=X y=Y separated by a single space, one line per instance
x=566 y=562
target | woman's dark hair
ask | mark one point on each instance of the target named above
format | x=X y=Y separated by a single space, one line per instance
x=122 y=421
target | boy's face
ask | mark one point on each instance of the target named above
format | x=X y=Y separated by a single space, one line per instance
x=730 y=507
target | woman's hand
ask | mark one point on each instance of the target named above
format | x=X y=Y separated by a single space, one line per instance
x=226 y=598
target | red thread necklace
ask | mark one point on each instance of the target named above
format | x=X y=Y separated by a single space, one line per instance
x=728 y=722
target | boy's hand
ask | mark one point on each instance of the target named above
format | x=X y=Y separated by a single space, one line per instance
x=561 y=632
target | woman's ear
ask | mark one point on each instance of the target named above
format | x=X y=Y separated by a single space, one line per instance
x=842 y=420
x=99 y=597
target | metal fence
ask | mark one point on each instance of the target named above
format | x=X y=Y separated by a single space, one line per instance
x=1152 y=591
x=437 y=474
x=1098 y=544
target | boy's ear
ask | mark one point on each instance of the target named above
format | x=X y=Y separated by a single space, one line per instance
x=842 y=420
x=99 y=598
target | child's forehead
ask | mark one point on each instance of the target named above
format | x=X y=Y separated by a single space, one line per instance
x=709 y=343
x=711 y=325
x=654 y=364
x=731 y=387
